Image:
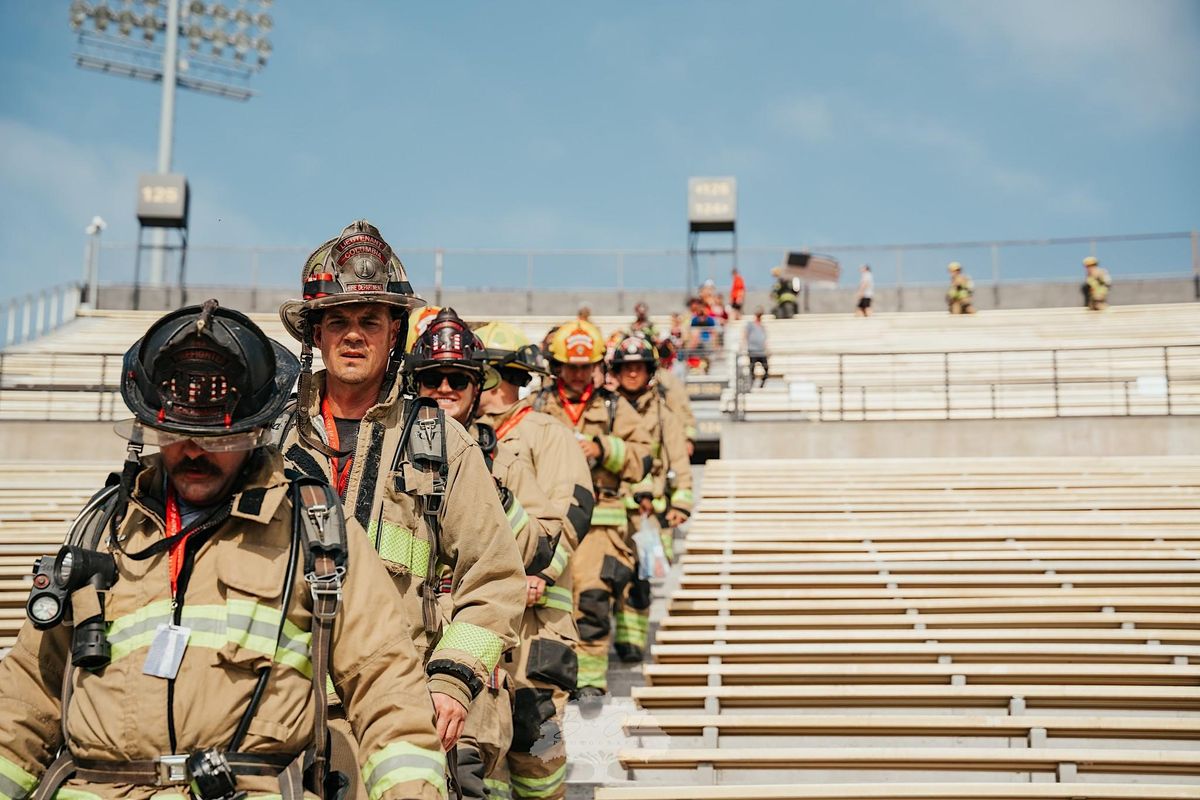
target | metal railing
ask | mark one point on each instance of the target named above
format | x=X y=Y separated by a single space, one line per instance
x=1126 y=380
x=38 y=313
x=631 y=271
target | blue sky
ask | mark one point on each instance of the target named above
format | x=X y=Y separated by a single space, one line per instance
x=570 y=125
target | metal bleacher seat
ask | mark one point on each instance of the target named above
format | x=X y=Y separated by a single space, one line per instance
x=929 y=628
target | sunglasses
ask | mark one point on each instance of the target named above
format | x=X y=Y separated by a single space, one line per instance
x=432 y=379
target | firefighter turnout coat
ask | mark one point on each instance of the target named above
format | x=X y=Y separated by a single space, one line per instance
x=386 y=494
x=231 y=587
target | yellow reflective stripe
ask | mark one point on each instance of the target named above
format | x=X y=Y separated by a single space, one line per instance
x=668 y=542
x=562 y=557
x=614 y=453
x=245 y=623
x=500 y=790
x=525 y=786
x=592 y=670
x=398 y=545
x=632 y=627
x=656 y=449
x=609 y=517
x=14 y=781
x=690 y=432
x=178 y=796
x=517 y=516
x=400 y=762
x=659 y=504
x=682 y=497
x=67 y=793
x=557 y=597
x=479 y=642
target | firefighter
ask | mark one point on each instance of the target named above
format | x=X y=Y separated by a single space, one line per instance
x=664 y=497
x=1096 y=285
x=413 y=479
x=544 y=673
x=186 y=631
x=617 y=447
x=960 y=296
x=675 y=392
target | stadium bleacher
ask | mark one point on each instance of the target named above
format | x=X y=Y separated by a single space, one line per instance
x=38 y=500
x=921 y=628
x=885 y=628
x=1010 y=363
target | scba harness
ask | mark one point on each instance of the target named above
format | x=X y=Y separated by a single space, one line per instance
x=319 y=533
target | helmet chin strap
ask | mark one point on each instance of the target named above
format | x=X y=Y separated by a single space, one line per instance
x=395 y=360
x=304 y=426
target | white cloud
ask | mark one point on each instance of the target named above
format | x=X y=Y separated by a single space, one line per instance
x=1136 y=61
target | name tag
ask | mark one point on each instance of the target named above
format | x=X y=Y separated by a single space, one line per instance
x=166 y=651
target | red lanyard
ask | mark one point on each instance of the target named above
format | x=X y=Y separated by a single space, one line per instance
x=174 y=524
x=511 y=423
x=340 y=471
x=575 y=410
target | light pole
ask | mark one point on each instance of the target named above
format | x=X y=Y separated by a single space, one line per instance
x=227 y=45
x=91 y=270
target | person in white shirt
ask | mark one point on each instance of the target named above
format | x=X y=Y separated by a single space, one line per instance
x=866 y=290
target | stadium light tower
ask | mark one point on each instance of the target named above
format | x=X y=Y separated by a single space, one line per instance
x=226 y=45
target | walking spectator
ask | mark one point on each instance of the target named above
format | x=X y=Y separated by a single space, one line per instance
x=756 y=346
x=737 y=294
x=1096 y=285
x=960 y=297
x=866 y=291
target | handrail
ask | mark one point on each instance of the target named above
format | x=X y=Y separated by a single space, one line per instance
x=932 y=390
x=39 y=312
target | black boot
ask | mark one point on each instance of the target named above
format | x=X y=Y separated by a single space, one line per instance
x=629 y=653
x=590 y=699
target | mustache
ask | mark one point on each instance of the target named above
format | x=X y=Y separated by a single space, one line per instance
x=201 y=465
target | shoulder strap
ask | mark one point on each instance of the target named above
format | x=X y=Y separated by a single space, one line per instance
x=612 y=401
x=320 y=526
x=424 y=440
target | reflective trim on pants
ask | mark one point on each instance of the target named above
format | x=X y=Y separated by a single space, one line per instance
x=401 y=762
x=537 y=787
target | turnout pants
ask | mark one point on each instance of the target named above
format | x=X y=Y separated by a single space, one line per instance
x=603 y=571
x=544 y=670
x=484 y=744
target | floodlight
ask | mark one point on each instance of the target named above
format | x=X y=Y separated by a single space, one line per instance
x=264 y=22
x=220 y=14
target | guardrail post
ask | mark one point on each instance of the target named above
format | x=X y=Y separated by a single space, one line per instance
x=26 y=319
x=946 y=380
x=1167 y=376
x=12 y=323
x=1054 y=373
x=621 y=282
x=529 y=283
x=841 y=387
x=39 y=329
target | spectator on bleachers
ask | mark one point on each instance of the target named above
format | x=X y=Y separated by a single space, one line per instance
x=756 y=346
x=1096 y=285
x=585 y=312
x=960 y=296
x=718 y=310
x=703 y=334
x=866 y=291
x=642 y=322
x=737 y=294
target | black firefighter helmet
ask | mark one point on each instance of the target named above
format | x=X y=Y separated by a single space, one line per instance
x=206 y=372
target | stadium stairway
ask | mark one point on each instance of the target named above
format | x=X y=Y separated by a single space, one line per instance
x=918 y=628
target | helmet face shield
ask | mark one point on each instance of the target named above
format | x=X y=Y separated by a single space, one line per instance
x=225 y=443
